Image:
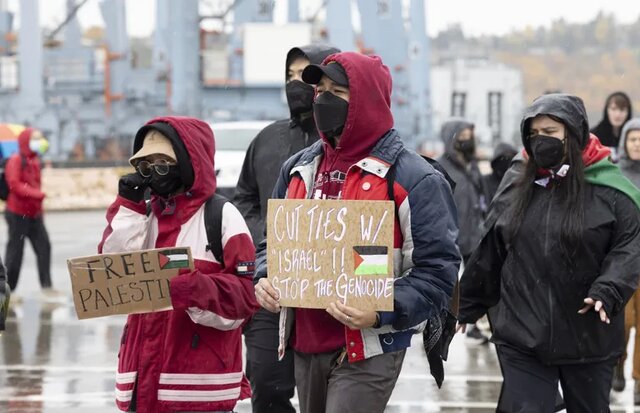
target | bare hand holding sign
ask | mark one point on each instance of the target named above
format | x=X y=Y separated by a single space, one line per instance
x=320 y=252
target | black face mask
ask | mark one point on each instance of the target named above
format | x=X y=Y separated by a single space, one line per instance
x=547 y=151
x=330 y=113
x=299 y=97
x=467 y=148
x=165 y=185
x=501 y=165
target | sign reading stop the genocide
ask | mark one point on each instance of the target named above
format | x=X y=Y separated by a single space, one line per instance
x=321 y=251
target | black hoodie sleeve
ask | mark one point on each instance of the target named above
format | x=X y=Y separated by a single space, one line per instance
x=621 y=266
x=247 y=195
x=279 y=192
x=480 y=282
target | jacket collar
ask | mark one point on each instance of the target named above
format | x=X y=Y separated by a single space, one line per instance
x=384 y=154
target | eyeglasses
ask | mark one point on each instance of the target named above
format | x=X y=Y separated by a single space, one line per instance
x=161 y=166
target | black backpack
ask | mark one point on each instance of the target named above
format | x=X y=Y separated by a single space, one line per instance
x=441 y=328
x=213 y=225
x=212 y=222
x=4 y=185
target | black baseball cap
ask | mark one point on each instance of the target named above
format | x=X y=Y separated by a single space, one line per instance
x=333 y=70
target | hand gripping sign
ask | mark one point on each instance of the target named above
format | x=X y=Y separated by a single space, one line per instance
x=126 y=283
x=320 y=251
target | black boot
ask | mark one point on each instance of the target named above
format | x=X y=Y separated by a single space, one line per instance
x=618 y=382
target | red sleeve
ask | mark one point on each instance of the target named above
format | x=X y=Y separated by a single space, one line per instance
x=13 y=175
x=228 y=294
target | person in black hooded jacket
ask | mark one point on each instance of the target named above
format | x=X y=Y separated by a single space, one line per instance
x=500 y=162
x=460 y=162
x=558 y=261
x=617 y=111
x=273 y=382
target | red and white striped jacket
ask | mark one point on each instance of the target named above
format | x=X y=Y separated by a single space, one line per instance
x=188 y=358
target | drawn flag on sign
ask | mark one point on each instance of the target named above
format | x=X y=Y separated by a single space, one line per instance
x=177 y=258
x=370 y=260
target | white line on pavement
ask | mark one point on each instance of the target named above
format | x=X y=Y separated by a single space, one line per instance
x=112 y=370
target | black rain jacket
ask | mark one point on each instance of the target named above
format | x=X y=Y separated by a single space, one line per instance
x=530 y=292
x=268 y=151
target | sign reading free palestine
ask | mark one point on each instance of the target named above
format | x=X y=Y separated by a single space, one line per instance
x=126 y=283
x=321 y=251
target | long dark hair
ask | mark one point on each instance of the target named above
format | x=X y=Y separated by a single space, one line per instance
x=571 y=189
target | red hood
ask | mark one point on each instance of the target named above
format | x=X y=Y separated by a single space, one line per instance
x=592 y=153
x=369 y=116
x=199 y=142
x=23 y=143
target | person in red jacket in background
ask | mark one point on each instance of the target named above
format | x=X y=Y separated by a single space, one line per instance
x=24 y=209
x=189 y=358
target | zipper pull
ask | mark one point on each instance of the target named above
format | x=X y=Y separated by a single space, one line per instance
x=341 y=357
x=195 y=340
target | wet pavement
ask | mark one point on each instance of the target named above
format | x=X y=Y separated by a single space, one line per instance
x=50 y=362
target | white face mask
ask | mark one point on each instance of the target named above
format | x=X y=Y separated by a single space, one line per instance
x=39 y=146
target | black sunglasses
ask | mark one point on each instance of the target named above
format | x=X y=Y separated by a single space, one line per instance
x=161 y=166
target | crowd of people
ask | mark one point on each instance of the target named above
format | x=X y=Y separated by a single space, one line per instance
x=546 y=246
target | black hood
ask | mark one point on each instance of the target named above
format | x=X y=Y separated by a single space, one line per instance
x=450 y=131
x=316 y=53
x=503 y=150
x=570 y=109
x=604 y=129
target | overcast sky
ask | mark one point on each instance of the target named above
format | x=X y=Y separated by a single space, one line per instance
x=475 y=16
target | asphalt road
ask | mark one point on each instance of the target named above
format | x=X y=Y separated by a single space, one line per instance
x=51 y=362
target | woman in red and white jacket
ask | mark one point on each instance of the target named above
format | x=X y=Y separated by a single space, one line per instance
x=188 y=358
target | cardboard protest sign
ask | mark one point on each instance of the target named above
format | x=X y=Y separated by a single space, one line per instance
x=321 y=251
x=126 y=283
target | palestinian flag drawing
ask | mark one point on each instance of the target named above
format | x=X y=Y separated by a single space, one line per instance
x=177 y=258
x=370 y=260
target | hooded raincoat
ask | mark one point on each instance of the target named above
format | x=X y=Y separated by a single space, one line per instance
x=531 y=293
x=630 y=168
x=470 y=197
x=22 y=173
x=188 y=358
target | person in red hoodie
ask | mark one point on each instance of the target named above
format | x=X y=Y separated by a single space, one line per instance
x=348 y=360
x=24 y=209
x=189 y=358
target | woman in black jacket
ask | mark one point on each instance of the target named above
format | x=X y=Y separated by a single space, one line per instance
x=558 y=261
x=617 y=111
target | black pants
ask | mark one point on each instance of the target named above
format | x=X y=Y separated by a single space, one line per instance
x=530 y=386
x=21 y=227
x=272 y=381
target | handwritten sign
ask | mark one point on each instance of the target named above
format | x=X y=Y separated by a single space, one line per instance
x=321 y=251
x=126 y=283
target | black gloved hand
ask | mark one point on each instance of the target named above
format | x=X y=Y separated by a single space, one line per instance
x=132 y=187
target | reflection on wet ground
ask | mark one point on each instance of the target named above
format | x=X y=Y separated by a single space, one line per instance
x=50 y=362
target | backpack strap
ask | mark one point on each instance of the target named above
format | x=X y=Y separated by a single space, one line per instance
x=391 y=179
x=213 y=224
